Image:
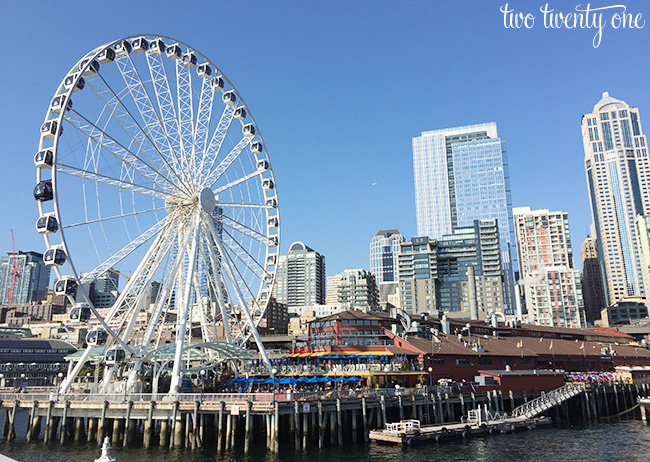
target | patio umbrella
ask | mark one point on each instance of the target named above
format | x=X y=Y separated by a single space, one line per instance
x=256 y=379
x=238 y=380
x=340 y=379
x=302 y=379
x=350 y=356
x=353 y=379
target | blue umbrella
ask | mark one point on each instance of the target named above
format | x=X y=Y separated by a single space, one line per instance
x=256 y=379
x=340 y=379
x=353 y=379
x=302 y=379
x=350 y=356
x=238 y=380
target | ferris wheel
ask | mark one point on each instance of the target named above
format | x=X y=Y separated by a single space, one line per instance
x=150 y=161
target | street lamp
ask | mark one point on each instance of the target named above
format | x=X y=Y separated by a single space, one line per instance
x=397 y=387
x=22 y=380
x=273 y=372
x=58 y=385
x=202 y=378
x=430 y=378
x=87 y=381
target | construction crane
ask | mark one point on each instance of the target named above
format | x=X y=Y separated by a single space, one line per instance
x=15 y=269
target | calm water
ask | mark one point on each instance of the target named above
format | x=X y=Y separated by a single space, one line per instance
x=621 y=441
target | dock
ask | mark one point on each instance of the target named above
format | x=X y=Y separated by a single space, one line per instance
x=410 y=432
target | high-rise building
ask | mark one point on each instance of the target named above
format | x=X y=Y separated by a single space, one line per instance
x=435 y=275
x=643 y=234
x=107 y=282
x=333 y=289
x=591 y=278
x=31 y=282
x=384 y=248
x=461 y=175
x=358 y=289
x=301 y=277
x=551 y=285
x=618 y=179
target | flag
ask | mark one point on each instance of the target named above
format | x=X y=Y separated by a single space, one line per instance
x=551 y=345
x=582 y=347
x=520 y=344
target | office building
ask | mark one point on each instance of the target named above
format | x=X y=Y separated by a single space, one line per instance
x=435 y=276
x=551 y=285
x=31 y=281
x=300 y=277
x=461 y=175
x=591 y=279
x=618 y=178
x=384 y=248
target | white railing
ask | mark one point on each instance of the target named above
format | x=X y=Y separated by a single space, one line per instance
x=548 y=400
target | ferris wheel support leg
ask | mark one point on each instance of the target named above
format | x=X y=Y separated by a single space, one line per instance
x=242 y=301
x=65 y=385
x=182 y=328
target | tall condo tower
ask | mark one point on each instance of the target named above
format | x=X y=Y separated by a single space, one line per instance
x=461 y=175
x=384 y=248
x=618 y=178
x=30 y=284
x=550 y=282
x=301 y=277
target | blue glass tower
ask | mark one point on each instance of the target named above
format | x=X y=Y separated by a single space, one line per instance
x=461 y=175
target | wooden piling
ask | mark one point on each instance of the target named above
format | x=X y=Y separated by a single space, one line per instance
x=172 y=437
x=339 y=421
x=248 y=427
x=219 y=426
x=127 y=425
x=382 y=404
x=79 y=429
x=12 y=419
x=305 y=428
x=354 y=425
x=321 y=423
x=48 y=422
x=276 y=427
x=102 y=421
x=64 y=418
x=164 y=433
x=92 y=429
x=296 y=426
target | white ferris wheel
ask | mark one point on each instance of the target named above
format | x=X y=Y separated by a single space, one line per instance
x=150 y=161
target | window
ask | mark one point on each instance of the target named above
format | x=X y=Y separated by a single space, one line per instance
x=484 y=361
x=462 y=362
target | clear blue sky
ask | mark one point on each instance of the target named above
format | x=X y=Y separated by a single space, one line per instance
x=338 y=89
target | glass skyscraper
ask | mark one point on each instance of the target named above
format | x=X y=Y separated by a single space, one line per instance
x=618 y=178
x=461 y=175
x=384 y=248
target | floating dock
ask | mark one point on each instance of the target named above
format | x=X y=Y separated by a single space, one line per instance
x=478 y=423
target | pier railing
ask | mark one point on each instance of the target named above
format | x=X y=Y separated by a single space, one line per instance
x=548 y=400
x=268 y=397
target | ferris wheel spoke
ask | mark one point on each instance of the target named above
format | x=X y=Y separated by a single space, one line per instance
x=210 y=155
x=125 y=251
x=185 y=113
x=130 y=125
x=149 y=115
x=227 y=162
x=114 y=217
x=165 y=99
x=238 y=283
x=236 y=182
x=127 y=157
x=242 y=228
x=202 y=128
x=109 y=181
x=245 y=206
x=244 y=257
x=218 y=286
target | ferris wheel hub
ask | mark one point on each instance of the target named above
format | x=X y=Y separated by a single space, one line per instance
x=208 y=201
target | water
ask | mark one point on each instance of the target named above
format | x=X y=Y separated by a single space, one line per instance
x=620 y=441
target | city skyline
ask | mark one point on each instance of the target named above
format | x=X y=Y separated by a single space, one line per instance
x=525 y=84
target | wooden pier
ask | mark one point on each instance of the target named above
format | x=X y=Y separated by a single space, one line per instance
x=241 y=420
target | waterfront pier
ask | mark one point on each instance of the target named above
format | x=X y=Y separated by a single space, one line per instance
x=302 y=420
